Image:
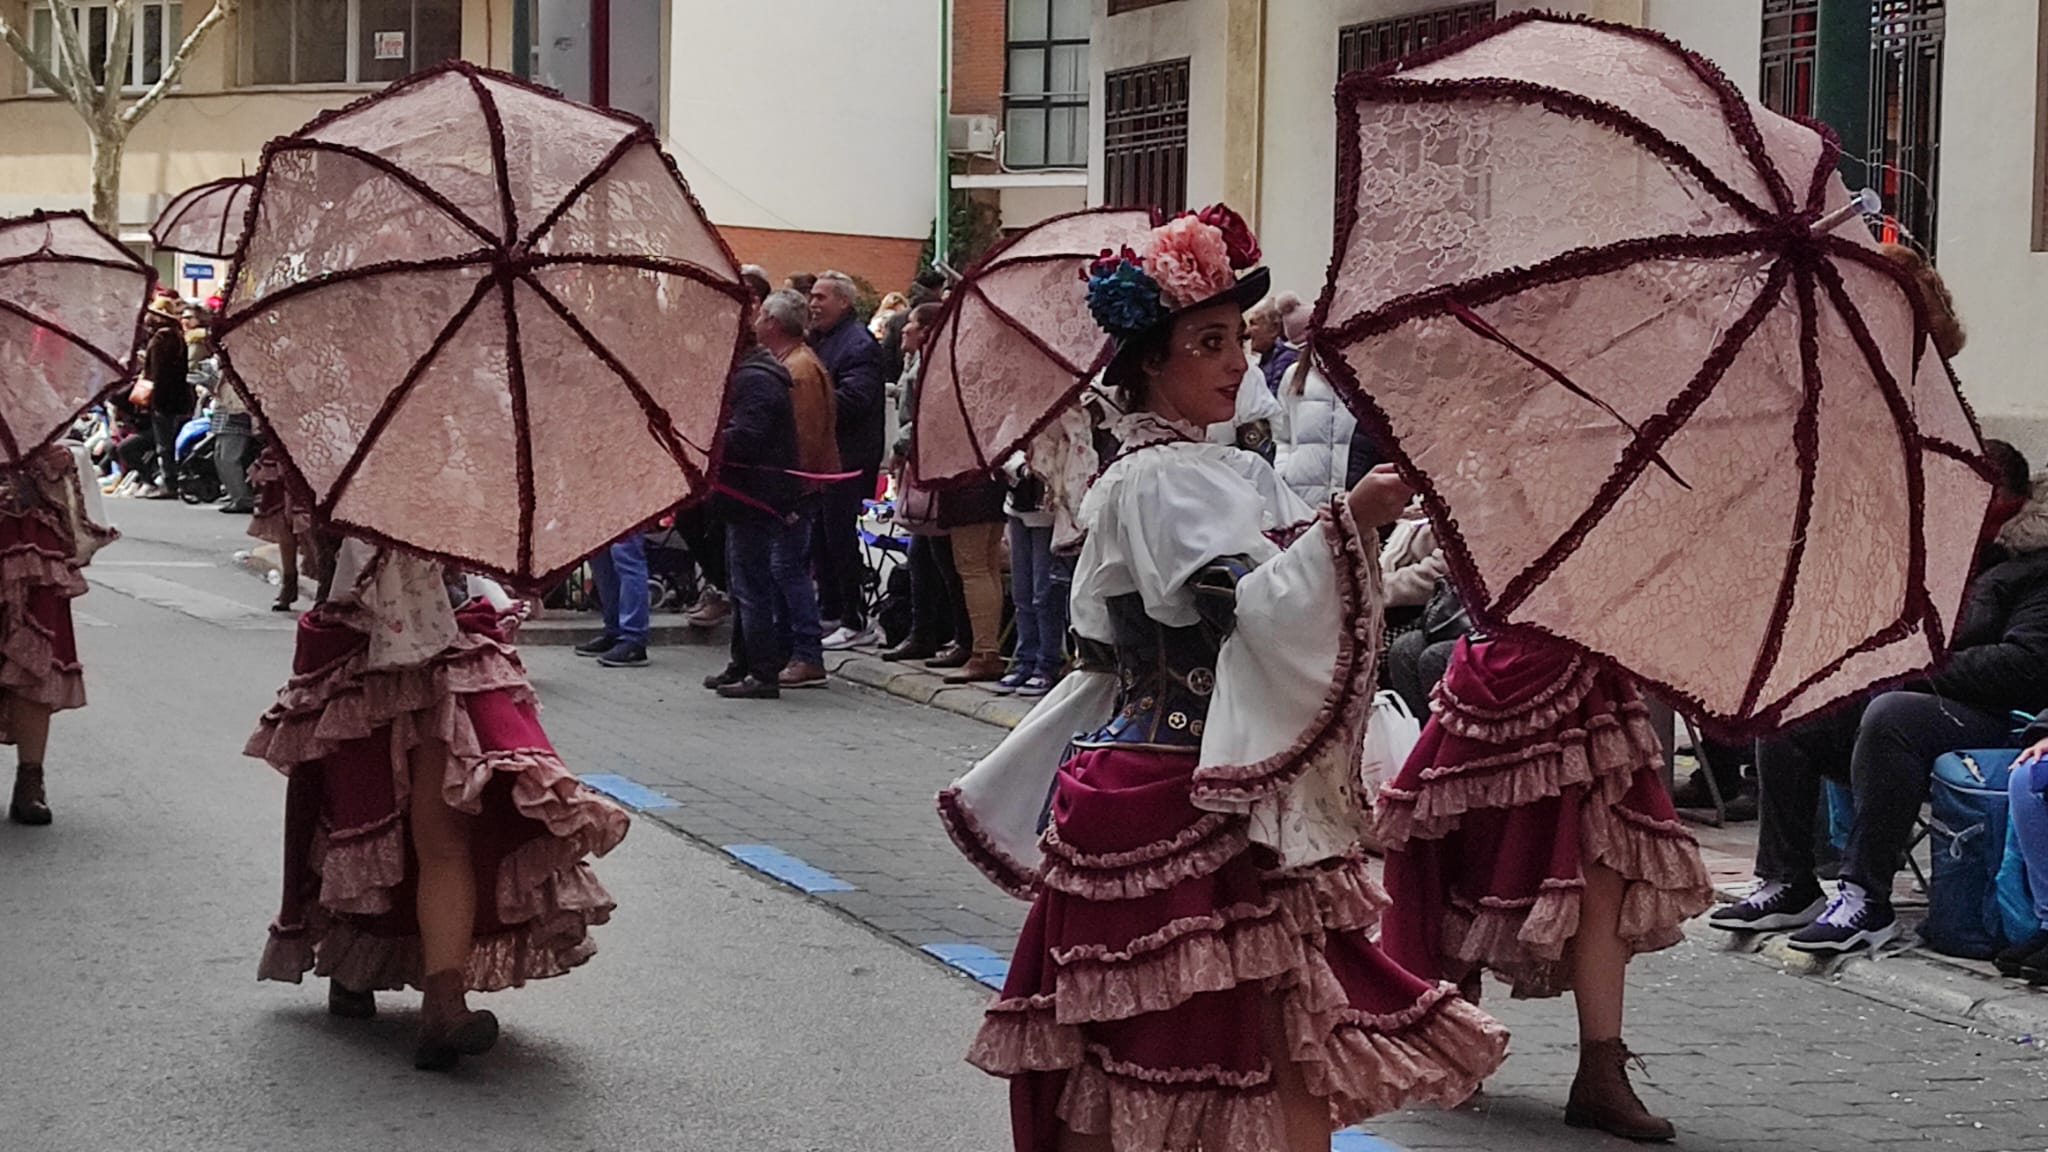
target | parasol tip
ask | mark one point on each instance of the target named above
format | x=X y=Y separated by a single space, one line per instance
x=1864 y=203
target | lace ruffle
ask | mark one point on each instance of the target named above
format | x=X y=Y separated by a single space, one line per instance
x=967 y=834
x=1196 y=851
x=1540 y=713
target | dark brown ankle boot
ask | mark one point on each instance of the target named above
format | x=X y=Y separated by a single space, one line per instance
x=29 y=806
x=448 y=1029
x=349 y=1004
x=1603 y=1099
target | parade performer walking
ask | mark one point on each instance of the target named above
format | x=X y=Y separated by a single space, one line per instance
x=1195 y=971
x=433 y=837
x=284 y=520
x=49 y=528
x=1530 y=836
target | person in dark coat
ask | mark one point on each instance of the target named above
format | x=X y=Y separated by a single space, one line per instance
x=172 y=400
x=853 y=359
x=1885 y=748
x=758 y=494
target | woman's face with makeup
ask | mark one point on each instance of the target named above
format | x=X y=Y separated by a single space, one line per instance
x=1196 y=378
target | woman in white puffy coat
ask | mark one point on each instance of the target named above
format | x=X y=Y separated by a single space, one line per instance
x=1314 y=435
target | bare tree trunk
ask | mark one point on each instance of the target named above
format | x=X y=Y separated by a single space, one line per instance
x=109 y=145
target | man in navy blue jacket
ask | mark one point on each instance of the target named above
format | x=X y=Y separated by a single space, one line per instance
x=757 y=494
x=851 y=355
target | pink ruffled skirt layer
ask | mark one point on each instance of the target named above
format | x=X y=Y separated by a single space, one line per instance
x=38 y=651
x=279 y=515
x=1535 y=761
x=1163 y=963
x=342 y=734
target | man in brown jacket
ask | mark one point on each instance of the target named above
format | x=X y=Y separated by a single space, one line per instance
x=779 y=325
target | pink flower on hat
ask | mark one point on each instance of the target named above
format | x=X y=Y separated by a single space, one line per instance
x=1190 y=260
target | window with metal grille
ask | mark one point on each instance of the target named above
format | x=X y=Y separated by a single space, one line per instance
x=1904 y=149
x=1791 y=49
x=1363 y=46
x=1145 y=137
x=1045 y=96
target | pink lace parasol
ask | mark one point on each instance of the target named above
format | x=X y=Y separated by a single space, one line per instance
x=71 y=307
x=1014 y=346
x=1664 y=397
x=484 y=323
x=206 y=220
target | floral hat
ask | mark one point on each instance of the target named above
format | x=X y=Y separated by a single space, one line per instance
x=1192 y=261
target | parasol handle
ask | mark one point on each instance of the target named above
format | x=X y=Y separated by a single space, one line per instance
x=1864 y=203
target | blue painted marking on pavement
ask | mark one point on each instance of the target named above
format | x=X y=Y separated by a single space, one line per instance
x=978 y=962
x=786 y=868
x=632 y=795
x=1354 y=1140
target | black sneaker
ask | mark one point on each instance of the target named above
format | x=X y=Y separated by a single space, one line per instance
x=1774 y=907
x=597 y=647
x=624 y=655
x=1853 y=921
x=2011 y=961
x=751 y=689
x=718 y=680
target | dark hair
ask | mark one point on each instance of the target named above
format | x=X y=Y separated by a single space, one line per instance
x=926 y=315
x=1126 y=371
x=803 y=282
x=757 y=282
x=2015 y=476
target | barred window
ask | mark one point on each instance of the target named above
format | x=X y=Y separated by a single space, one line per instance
x=1145 y=137
x=1904 y=149
x=1363 y=46
x=1791 y=50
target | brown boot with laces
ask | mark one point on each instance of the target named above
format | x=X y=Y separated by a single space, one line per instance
x=29 y=806
x=448 y=1029
x=1603 y=1099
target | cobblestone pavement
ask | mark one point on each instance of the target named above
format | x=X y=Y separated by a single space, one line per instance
x=1741 y=1054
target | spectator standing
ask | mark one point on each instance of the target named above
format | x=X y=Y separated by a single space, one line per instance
x=1041 y=651
x=703 y=526
x=800 y=283
x=760 y=494
x=1314 y=434
x=620 y=573
x=853 y=359
x=172 y=400
x=1885 y=748
x=234 y=435
x=779 y=325
x=938 y=614
x=973 y=518
x=928 y=288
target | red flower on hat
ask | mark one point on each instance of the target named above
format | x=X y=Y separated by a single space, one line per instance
x=1237 y=235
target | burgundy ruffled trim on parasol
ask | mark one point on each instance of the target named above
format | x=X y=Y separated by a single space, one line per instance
x=1351 y=681
x=1003 y=869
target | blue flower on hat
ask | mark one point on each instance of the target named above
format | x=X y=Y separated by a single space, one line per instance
x=1122 y=296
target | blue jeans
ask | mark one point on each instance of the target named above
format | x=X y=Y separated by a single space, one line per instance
x=2028 y=812
x=1039 y=594
x=621 y=574
x=750 y=570
x=797 y=630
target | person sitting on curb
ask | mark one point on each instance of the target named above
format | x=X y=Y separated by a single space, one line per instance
x=2028 y=810
x=1886 y=747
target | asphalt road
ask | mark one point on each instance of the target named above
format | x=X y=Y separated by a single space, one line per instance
x=725 y=1010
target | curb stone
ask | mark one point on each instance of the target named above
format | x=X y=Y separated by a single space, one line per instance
x=918 y=686
x=1963 y=992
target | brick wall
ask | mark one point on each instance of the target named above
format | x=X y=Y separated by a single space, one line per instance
x=980 y=32
x=886 y=262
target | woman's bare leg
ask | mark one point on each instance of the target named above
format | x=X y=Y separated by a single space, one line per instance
x=441 y=844
x=288 y=571
x=30 y=723
x=1600 y=956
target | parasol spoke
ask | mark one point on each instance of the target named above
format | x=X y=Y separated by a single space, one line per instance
x=658 y=420
x=479 y=258
x=398 y=396
x=590 y=179
x=1485 y=331
x=494 y=123
x=1656 y=433
x=412 y=183
x=1019 y=327
x=522 y=424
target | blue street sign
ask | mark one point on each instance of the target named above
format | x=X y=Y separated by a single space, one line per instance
x=198 y=271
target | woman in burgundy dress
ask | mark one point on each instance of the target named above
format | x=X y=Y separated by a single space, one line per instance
x=1196 y=970
x=433 y=838
x=283 y=519
x=47 y=533
x=1530 y=835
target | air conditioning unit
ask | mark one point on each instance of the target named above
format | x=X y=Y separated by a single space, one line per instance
x=971 y=134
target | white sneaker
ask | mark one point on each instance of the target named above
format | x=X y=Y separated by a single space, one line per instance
x=841 y=639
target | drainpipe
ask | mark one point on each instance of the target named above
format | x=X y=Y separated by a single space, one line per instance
x=942 y=220
x=522 y=39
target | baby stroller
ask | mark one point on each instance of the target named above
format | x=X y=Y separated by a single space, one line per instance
x=672 y=582
x=198 y=478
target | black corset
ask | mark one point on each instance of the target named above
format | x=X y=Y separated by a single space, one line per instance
x=1165 y=677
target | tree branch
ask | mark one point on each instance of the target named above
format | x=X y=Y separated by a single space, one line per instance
x=120 y=53
x=175 y=67
x=39 y=68
x=83 y=92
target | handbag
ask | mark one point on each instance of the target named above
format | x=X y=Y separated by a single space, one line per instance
x=142 y=392
x=1391 y=732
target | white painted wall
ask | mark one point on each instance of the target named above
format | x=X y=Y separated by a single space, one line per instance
x=1988 y=147
x=809 y=115
x=1728 y=32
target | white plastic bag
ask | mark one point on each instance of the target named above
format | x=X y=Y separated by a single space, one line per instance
x=1390 y=735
